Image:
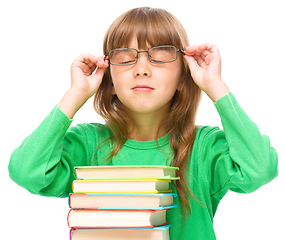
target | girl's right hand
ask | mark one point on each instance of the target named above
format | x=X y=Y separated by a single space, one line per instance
x=82 y=78
x=84 y=83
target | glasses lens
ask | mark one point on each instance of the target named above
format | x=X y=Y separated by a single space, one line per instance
x=123 y=56
x=162 y=54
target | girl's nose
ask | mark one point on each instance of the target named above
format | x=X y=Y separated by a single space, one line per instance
x=142 y=67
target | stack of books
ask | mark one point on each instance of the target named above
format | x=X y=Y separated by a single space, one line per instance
x=121 y=202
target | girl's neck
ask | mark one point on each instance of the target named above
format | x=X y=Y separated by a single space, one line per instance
x=148 y=125
x=146 y=132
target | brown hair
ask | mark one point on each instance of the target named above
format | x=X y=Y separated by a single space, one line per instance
x=153 y=27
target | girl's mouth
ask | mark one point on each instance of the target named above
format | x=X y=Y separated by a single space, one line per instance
x=142 y=88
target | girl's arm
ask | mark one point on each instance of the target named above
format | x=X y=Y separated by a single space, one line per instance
x=239 y=158
x=44 y=162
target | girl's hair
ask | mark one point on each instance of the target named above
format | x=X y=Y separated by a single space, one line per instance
x=153 y=27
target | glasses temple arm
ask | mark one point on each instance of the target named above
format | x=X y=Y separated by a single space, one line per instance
x=182 y=51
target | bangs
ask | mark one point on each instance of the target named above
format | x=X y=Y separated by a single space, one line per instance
x=150 y=26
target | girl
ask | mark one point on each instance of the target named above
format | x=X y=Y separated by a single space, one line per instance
x=147 y=88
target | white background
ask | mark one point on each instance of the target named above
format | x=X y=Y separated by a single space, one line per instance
x=39 y=41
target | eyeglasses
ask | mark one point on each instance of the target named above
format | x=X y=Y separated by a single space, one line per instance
x=130 y=56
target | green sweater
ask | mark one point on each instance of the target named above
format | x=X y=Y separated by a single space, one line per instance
x=237 y=158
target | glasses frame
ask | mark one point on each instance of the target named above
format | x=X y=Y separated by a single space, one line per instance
x=137 y=56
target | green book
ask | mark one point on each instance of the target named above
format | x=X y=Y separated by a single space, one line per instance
x=126 y=172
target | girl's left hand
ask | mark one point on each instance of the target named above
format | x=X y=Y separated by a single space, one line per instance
x=205 y=66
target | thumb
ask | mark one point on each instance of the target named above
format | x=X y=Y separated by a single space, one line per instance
x=192 y=63
x=100 y=69
x=99 y=72
x=95 y=79
x=195 y=69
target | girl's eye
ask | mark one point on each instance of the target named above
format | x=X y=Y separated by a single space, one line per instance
x=162 y=54
x=157 y=58
x=128 y=61
x=122 y=57
x=156 y=61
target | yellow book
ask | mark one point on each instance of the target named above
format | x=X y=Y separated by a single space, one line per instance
x=121 y=186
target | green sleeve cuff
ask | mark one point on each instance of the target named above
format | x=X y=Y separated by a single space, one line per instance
x=60 y=117
x=226 y=101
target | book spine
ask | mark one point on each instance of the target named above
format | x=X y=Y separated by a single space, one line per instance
x=68 y=217
x=70 y=233
x=123 y=210
x=163 y=226
x=118 y=227
x=69 y=200
x=75 y=173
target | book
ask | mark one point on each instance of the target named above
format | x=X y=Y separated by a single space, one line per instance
x=126 y=171
x=116 y=218
x=121 y=202
x=120 y=185
x=153 y=201
x=155 y=233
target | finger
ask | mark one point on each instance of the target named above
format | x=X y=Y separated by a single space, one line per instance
x=200 y=59
x=103 y=62
x=99 y=72
x=191 y=50
x=201 y=62
x=85 y=68
x=192 y=62
x=200 y=49
x=208 y=46
x=86 y=58
x=196 y=50
x=204 y=58
x=205 y=54
x=213 y=53
x=210 y=49
x=209 y=58
x=89 y=63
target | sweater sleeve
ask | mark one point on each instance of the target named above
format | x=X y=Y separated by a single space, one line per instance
x=237 y=158
x=44 y=162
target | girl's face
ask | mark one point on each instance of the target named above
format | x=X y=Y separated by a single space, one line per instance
x=146 y=87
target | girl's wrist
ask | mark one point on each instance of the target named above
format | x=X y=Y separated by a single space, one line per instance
x=71 y=102
x=216 y=90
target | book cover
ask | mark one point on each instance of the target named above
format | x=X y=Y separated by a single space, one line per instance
x=121 y=202
x=154 y=201
x=126 y=172
x=121 y=186
x=116 y=218
x=155 y=233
